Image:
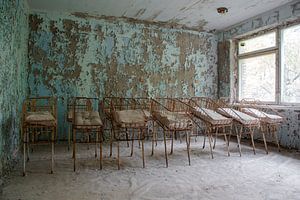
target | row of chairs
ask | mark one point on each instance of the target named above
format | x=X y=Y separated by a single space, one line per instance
x=135 y=119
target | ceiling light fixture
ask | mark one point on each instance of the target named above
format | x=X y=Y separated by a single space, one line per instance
x=222 y=10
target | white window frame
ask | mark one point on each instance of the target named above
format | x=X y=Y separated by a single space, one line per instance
x=277 y=50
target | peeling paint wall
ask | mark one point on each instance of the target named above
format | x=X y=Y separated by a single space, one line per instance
x=79 y=55
x=289 y=134
x=13 y=66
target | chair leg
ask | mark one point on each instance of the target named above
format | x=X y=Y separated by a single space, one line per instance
x=74 y=150
x=88 y=145
x=118 y=154
x=188 y=142
x=127 y=141
x=69 y=135
x=100 y=133
x=166 y=152
x=264 y=138
x=28 y=145
x=172 y=142
x=24 y=152
x=139 y=137
x=276 y=138
x=153 y=138
x=227 y=144
x=111 y=142
x=216 y=135
x=252 y=139
x=52 y=149
x=238 y=136
x=210 y=145
x=132 y=142
x=143 y=151
x=204 y=140
x=96 y=143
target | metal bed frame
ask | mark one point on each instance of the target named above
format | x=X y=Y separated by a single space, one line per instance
x=38 y=118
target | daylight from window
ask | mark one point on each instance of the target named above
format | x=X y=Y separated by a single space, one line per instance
x=257 y=43
x=257 y=77
x=290 y=57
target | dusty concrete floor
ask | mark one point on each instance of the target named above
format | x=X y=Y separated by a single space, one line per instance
x=260 y=176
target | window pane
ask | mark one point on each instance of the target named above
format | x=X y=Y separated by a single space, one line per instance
x=290 y=91
x=257 y=77
x=257 y=43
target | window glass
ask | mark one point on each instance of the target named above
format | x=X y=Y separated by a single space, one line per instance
x=257 y=43
x=290 y=65
x=257 y=77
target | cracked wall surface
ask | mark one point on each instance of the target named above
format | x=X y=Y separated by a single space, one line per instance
x=289 y=133
x=79 y=55
x=13 y=75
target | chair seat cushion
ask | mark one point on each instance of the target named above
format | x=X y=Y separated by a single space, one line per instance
x=211 y=116
x=130 y=118
x=174 y=120
x=239 y=116
x=44 y=118
x=263 y=116
x=88 y=119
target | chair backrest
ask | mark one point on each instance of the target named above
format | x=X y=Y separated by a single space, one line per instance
x=38 y=104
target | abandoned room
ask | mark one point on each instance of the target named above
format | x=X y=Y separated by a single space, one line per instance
x=149 y=99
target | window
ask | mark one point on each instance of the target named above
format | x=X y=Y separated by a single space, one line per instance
x=261 y=76
x=290 y=64
x=258 y=77
x=258 y=43
x=257 y=68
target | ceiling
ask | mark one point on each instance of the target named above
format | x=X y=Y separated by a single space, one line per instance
x=194 y=14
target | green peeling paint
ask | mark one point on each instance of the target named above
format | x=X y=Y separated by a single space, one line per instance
x=90 y=56
x=13 y=84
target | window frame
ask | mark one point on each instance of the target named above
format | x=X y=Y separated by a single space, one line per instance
x=277 y=50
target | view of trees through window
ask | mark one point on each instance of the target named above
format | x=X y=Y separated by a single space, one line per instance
x=257 y=77
x=257 y=61
x=290 y=64
x=257 y=72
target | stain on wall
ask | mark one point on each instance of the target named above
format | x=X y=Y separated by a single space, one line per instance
x=77 y=55
x=289 y=134
x=13 y=65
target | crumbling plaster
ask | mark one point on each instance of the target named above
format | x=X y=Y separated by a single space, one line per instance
x=13 y=77
x=79 y=55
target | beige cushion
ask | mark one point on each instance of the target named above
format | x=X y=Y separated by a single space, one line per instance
x=263 y=116
x=174 y=120
x=88 y=119
x=211 y=116
x=40 y=118
x=134 y=118
x=70 y=115
x=239 y=116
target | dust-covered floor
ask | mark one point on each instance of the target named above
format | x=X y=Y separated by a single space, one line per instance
x=260 y=176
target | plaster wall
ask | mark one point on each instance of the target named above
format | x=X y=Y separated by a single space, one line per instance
x=82 y=55
x=13 y=76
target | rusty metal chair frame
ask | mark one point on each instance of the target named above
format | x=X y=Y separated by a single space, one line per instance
x=199 y=107
x=241 y=126
x=121 y=130
x=86 y=104
x=69 y=117
x=267 y=124
x=170 y=106
x=34 y=127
